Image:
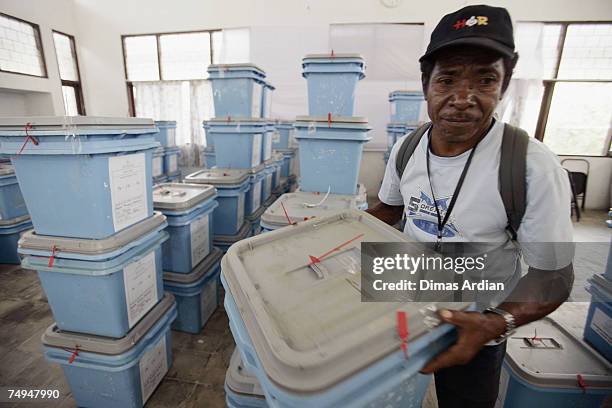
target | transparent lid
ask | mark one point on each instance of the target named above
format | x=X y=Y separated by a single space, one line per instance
x=333 y=56
x=307 y=322
x=236 y=67
x=545 y=354
x=200 y=270
x=6 y=169
x=218 y=176
x=229 y=121
x=32 y=241
x=240 y=380
x=14 y=221
x=603 y=283
x=257 y=169
x=302 y=206
x=61 y=122
x=331 y=119
x=53 y=337
x=179 y=196
x=415 y=94
x=361 y=195
x=166 y=122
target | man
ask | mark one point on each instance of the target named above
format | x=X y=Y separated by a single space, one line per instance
x=454 y=169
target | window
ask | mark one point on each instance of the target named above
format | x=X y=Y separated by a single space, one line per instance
x=65 y=50
x=20 y=47
x=167 y=75
x=575 y=115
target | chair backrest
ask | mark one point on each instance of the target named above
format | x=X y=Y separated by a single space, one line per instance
x=579 y=181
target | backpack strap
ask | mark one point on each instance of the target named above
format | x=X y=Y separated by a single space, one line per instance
x=408 y=147
x=512 y=176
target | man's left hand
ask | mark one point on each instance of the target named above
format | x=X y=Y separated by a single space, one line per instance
x=474 y=331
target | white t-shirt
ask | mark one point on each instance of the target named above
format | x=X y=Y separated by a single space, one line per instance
x=479 y=214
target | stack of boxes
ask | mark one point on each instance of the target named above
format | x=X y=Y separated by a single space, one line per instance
x=283 y=144
x=165 y=158
x=97 y=248
x=190 y=262
x=14 y=218
x=244 y=171
x=597 y=331
x=331 y=143
x=405 y=111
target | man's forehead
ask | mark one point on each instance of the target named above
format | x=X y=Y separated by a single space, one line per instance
x=474 y=59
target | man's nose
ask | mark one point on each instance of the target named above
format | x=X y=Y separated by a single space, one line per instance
x=463 y=97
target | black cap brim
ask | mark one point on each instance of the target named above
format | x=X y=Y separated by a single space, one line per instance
x=479 y=42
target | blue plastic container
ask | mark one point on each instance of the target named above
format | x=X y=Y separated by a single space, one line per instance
x=332 y=80
x=401 y=385
x=237 y=90
x=598 y=328
x=210 y=139
x=283 y=136
x=157 y=167
x=266 y=100
x=167 y=133
x=175 y=178
x=120 y=373
x=232 y=186
x=289 y=319
x=10 y=232
x=224 y=242
x=330 y=153
x=544 y=372
x=101 y=287
x=608 y=271
x=189 y=210
x=12 y=204
x=405 y=106
x=287 y=164
x=171 y=156
x=238 y=143
x=210 y=158
x=266 y=145
x=266 y=191
x=242 y=390
x=253 y=199
x=87 y=179
x=160 y=180
x=196 y=293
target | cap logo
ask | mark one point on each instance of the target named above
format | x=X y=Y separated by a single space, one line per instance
x=470 y=22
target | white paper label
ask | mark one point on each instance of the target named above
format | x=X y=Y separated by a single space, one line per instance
x=256 y=107
x=256 y=196
x=240 y=210
x=140 y=282
x=276 y=137
x=268 y=148
x=153 y=366
x=503 y=388
x=200 y=246
x=208 y=301
x=158 y=166
x=172 y=164
x=128 y=187
x=602 y=325
x=256 y=154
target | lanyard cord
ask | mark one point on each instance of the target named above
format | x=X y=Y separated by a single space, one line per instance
x=451 y=205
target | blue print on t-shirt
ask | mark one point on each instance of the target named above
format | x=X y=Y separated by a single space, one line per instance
x=423 y=213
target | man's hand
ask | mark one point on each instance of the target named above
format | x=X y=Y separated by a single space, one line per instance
x=474 y=329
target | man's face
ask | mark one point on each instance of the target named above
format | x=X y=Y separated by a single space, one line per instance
x=464 y=89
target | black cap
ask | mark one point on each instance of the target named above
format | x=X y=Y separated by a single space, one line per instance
x=481 y=26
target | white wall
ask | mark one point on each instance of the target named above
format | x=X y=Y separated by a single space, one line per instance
x=41 y=96
x=598 y=191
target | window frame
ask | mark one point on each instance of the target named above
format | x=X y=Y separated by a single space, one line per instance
x=129 y=84
x=78 y=88
x=39 y=44
x=549 y=88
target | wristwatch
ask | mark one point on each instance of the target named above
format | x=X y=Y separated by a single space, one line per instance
x=510 y=324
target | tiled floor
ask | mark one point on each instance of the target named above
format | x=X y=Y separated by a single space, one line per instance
x=197 y=374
